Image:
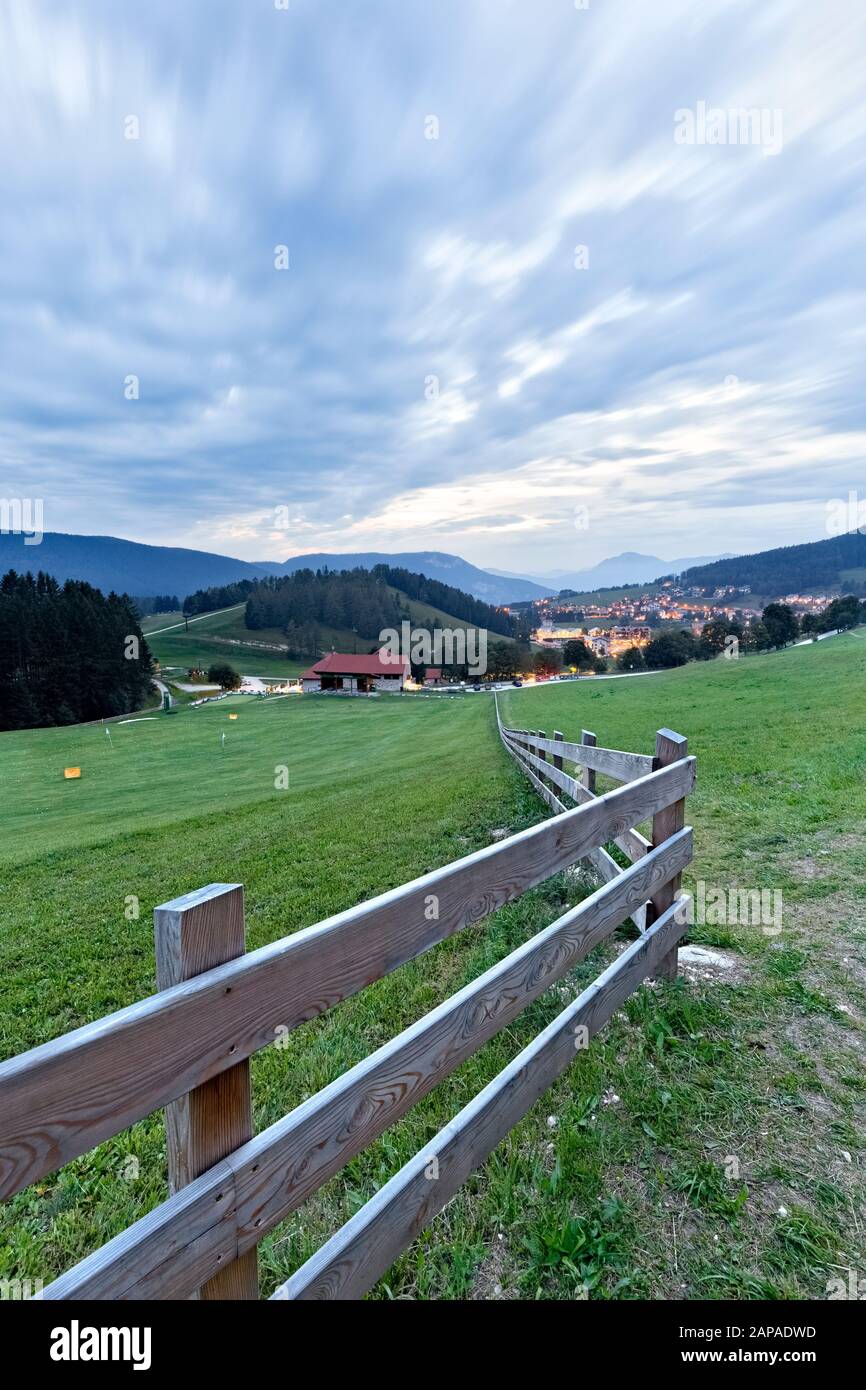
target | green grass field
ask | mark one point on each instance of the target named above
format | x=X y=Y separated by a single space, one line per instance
x=708 y=1145
x=158 y=620
x=219 y=637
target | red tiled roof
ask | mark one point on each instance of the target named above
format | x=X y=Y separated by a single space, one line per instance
x=338 y=664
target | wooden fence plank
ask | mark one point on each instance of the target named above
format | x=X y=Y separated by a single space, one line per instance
x=162 y=1249
x=588 y=740
x=546 y=778
x=608 y=870
x=670 y=747
x=625 y=767
x=62 y=1098
x=632 y=844
x=361 y=1252
x=525 y=761
x=558 y=737
x=194 y=933
x=285 y=1164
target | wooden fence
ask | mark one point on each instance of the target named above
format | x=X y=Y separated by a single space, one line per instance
x=186 y=1048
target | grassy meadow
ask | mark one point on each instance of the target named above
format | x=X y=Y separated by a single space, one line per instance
x=218 y=636
x=708 y=1145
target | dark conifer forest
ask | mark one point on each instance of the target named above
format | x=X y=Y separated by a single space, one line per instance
x=363 y=600
x=68 y=654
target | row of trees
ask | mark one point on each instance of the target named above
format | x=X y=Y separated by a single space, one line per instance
x=68 y=654
x=219 y=596
x=506 y=660
x=159 y=603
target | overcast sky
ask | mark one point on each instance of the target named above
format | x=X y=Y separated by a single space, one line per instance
x=521 y=320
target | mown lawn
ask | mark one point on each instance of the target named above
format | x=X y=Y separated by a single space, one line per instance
x=220 y=636
x=709 y=1143
x=153 y=621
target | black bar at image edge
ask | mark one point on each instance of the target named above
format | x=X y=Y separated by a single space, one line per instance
x=195 y=1337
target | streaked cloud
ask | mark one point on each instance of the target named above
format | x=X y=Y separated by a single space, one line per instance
x=437 y=366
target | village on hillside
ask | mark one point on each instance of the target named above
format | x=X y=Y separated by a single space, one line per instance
x=610 y=629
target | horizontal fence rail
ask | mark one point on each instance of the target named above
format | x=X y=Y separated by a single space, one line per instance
x=289 y=1161
x=351 y=1262
x=186 y=1047
x=542 y=759
x=631 y=842
x=64 y=1097
x=624 y=767
x=603 y=863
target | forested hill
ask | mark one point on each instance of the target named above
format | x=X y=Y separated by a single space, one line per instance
x=790 y=569
x=128 y=567
x=348 y=599
x=447 y=598
x=451 y=570
x=362 y=600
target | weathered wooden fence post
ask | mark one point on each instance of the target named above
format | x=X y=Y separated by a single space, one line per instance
x=193 y=934
x=588 y=775
x=670 y=747
x=557 y=760
x=543 y=756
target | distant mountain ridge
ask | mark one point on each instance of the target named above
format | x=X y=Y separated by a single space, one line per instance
x=109 y=562
x=631 y=567
x=436 y=564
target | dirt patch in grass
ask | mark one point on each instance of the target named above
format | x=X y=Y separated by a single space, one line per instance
x=833 y=843
x=830 y=932
x=495 y=1280
x=808 y=868
x=699 y=963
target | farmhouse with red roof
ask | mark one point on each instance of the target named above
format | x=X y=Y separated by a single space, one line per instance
x=356 y=674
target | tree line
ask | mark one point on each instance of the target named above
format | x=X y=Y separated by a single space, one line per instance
x=777 y=626
x=218 y=596
x=68 y=654
x=159 y=603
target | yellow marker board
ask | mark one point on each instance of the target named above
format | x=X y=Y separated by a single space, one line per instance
x=70 y=772
x=232 y=716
